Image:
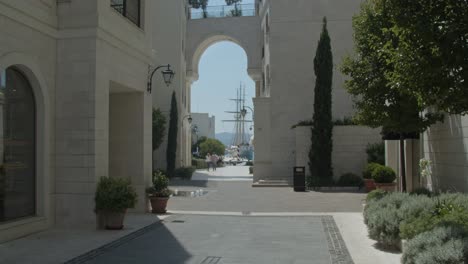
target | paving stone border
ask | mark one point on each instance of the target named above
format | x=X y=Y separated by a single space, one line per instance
x=123 y=240
x=338 y=251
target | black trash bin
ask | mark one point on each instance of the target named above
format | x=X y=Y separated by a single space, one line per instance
x=299 y=179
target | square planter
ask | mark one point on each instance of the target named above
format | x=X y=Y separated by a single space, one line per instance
x=389 y=187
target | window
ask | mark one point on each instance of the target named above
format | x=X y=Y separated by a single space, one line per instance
x=129 y=9
x=17 y=146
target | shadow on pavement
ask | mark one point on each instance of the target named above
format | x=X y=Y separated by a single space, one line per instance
x=154 y=244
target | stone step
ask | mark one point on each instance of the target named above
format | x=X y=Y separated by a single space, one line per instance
x=271 y=183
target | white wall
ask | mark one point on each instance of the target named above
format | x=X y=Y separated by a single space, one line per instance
x=205 y=124
x=349 y=148
x=446 y=145
x=294 y=33
x=169 y=44
x=28 y=31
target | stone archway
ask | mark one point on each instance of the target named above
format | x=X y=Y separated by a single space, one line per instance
x=244 y=31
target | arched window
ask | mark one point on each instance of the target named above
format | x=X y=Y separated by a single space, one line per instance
x=17 y=146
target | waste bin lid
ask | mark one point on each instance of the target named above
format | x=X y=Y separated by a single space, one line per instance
x=299 y=169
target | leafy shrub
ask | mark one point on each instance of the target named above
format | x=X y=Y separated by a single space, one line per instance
x=350 y=179
x=199 y=164
x=375 y=195
x=251 y=170
x=184 y=172
x=383 y=218
x=249 y=163
x=439 y=214
x=160 y=184
x=346 y=121
x=376 y=153
x=421 y=191
x=367 y=173
x=442 y=245
x=114 y=195
x=383 y=174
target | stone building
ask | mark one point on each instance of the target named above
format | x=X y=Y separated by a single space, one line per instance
x=205 y=125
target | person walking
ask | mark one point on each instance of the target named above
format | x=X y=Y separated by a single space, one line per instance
x=208 y=161
x=214 y=161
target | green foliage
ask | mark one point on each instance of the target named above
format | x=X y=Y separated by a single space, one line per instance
x=422 y=191
x=375 y=195
x=171 y=151
x=198 y=143
x=346 y=121
x=320 y=155
x=376 y=153
x=379 y=100
x=430 y=51
x=302 y=123
x=160 y=186
x=199 y=4
x=441 y=213
x=159 y=128
x=370 y=167
x=350 y=179
x=442 y=245
x=212 y=146
x=114 y=195
x=383 y=174
x=383 y=218
x=199 y=164
x=251 y=170
x=249 y=163
x=233 y=2
x=184 y=172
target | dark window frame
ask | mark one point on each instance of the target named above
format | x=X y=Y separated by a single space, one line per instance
x=122 y=8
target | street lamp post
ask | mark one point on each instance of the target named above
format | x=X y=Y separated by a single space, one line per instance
x=168 y=75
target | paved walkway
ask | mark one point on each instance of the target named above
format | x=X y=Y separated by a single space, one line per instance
x=233 y=223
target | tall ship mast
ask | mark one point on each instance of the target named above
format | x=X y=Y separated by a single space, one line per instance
x=241 y=136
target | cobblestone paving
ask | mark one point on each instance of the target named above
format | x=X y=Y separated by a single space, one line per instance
x=229 y=240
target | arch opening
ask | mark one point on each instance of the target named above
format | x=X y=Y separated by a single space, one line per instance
x=222 y=64
x=18 y=150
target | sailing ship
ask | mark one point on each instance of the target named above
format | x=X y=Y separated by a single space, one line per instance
x=240 y=147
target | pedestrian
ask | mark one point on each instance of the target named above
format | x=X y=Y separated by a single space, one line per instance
x=208 y=161
x=214 y=161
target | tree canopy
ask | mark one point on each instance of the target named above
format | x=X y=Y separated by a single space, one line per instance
x=379 y=101
x=212 y=146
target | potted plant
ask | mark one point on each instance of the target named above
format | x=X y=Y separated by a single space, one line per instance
x=384 y=178
x=159 y=194
x=113 y=197
x=367 y=175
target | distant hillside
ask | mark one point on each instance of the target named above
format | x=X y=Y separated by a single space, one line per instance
x=225 y=137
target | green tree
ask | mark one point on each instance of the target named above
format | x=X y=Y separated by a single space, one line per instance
x=171 y=151
x=198 y=143
x=379 y=102
x=212 y=146
x=320 y=155
x=159 y=129
x=432 y=51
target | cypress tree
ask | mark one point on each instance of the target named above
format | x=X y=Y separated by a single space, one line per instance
x=171 y=151
x=320 y=155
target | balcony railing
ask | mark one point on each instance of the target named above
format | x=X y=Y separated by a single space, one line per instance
x=244 y=10
x=129 y=9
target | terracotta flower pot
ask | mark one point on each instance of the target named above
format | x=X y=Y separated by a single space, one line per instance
x=389 y=187
x=110 y=220
x=159 y=204
x=370 y=185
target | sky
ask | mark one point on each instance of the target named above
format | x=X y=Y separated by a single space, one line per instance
x=222 y=68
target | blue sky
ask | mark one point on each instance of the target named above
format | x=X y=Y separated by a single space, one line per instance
x=222 y=68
